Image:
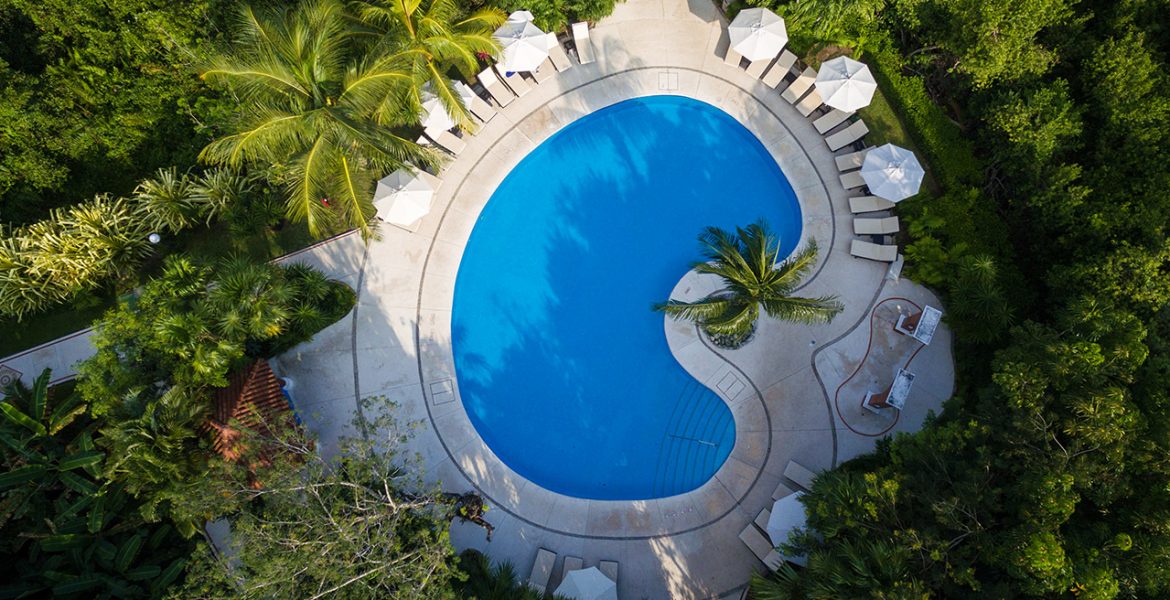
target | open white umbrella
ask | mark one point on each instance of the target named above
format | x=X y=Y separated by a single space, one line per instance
x=464 y=92
x=845 y=84
x=523 y=45
x=787 y=515
x=587 y=584
x=403 y=197
x=434 y=115
x=892 y=172
x=757 y=33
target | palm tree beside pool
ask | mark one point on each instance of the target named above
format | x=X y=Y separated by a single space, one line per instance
x=748 y=262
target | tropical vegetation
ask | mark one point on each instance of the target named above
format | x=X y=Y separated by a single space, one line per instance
x=753 y=277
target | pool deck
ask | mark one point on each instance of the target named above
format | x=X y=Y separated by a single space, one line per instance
x=795 y=390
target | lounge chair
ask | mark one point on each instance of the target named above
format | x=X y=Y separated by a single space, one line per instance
x=847 y=136
x=756 y=68
x=781 y=491
x=449 y=141
x=780 y=69
x=864 y=204
x=871 y=251
x=609 y=568
x=762 y=519
x=572 y=563
x=515 y=82
x=732 y=58
x=875 y=226
x=556 y=54
x=810 y=103
x=852 y=180
x=541 y=570
x=801 y=86
x=544 y=72
x=761 y=546
x=478 y=107
x=582 y=43
x=799 y=474
x=830 y=120
x=853 y=160
x=491 y=82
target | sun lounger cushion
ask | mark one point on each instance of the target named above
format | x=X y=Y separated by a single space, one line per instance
x=448 y=140
x=853 y=160
x=864 y=204
x=780 y=69
x=830 y=120
x=870 y=226
x=756 y=68
x=491 y=82
x=762 y=519
x=852 y=180
x=515 y=82
x=759 y=544
x=572 y=563
x=544 y=72
x=801 y=86
x=799 y=474
x=847 y=136
x=581 y=41
x=810 y=103
x=609 y=568
x=556 y=54
x=781 y=491
x=871 y=251
x=732 y=57
x=542 y=569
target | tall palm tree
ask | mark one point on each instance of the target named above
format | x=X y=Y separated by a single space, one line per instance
x=746 y=261
x=314 y=108
x=431 y=36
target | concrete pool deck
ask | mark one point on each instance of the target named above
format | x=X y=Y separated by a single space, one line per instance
x=792 y=389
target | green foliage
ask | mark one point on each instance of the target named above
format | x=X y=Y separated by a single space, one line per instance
x=556 y=15
x=487 y=581
x=66 y=530
x=748 y=263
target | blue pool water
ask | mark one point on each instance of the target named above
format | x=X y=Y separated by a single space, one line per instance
x=563 y=368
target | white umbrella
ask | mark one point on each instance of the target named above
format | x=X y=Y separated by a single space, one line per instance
x=587 y=584
x=845 y=84
x=403 y=197
x=757 y=33
x=524 y=45
x=892 y=172
x=787 y=515
x=465 y=93
x=434 y=115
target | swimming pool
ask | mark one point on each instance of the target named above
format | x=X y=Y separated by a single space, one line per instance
x=562 y=366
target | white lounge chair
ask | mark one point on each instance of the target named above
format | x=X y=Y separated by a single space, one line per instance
x=756 y=68
x=810 y=103
x=732 y=58
x=853 y=160
x=491 y=82
x=852 y=180
x=447 y=140
x=864 y=204
x=609 y=568
x=581 y=41
x=541 y=570
x=515 y=82
x=781 y=491
x=572 y=563
x=780 y=69
x=871 y=251
x=762 y=519
x=847 y=136
x=875 y=226
x=759 y=544
x=830 y=120
x=556 y=54
x=799 y=474
x=801 y=86
x=544 y=72
x=431 y=180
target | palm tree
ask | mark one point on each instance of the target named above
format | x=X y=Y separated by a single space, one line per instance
x=432 y=36
x=216 y=190
x=486 y=581
x=314 y=108
x=166 y=202
x=747 y=263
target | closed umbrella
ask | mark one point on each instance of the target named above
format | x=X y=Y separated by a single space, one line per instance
x=757 y=33
x=892 y=172
x=787 y=515
x=845 y=84
x=587 y=584
x=523 y=45
x=434 y=115
x=403 y=197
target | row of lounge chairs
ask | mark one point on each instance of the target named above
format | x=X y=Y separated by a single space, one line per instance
x=542 y=569
x=842 y=131
x=755 y=536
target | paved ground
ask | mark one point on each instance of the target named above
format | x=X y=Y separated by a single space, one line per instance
x=61 y=355
x=795 y=390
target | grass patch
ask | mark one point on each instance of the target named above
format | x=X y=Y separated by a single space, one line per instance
x=886 y=127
